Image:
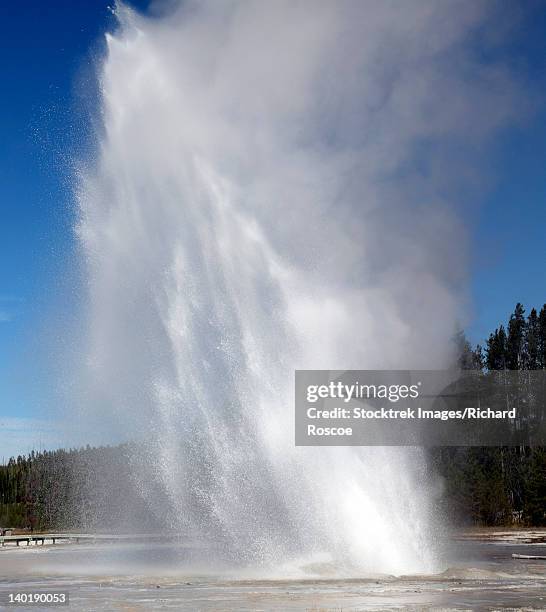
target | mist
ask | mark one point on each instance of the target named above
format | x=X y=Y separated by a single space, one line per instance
x=278 y=186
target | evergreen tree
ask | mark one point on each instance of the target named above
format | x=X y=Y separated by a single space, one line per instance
x=496 y=350
x=464 y=352
x=532 y=336
x=542 y=337
x=534 y=509
x=466 y=357
x=514 y=342
x=479 y=358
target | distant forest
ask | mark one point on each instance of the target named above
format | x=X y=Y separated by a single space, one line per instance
x=501 y=485
x=79 y=489
x=95 y=489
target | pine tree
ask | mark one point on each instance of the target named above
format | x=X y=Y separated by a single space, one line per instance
x=495 y=351
x=467 y=358
x=478 y=358
x=534 y=508
x=531 y=346
x=464 y=353
x=542 y=337
x=515 y=341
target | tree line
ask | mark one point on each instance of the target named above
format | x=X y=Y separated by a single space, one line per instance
x=91 y=488
x=98 y=488
x=501 y=485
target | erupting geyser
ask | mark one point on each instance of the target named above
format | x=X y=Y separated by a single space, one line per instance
x=254 y=206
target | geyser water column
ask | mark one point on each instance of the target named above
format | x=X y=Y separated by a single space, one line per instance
x=257 y=203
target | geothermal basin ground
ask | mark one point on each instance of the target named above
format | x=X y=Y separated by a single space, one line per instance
x=481 y=574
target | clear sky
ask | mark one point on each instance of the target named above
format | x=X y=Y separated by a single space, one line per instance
x=48 y=54
x=509 y=239
x=49 y=50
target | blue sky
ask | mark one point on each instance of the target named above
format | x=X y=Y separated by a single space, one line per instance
x=49 y=50
x=508 y=235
